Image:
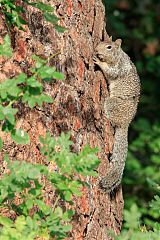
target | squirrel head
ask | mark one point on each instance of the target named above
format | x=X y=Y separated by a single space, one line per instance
x=109 y=51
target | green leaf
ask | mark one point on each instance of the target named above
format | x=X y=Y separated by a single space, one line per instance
x=20 y=223
x=58 y=75
x=44 y=7
x=30 y=222
x=21 y=78
x=67 y=228
x=7 y=126
x=21 y=21
x=68 y=196
x=60 y=29
x=5 y=221
x=33 y=82
x=29 y=203
x=51 y=18
x=5 y=48
x=34 y=173
x=19 y=136
x=43 y=207
x=132 y=217
x=3 y=94
x=37 y=99
x=10 y=118
x=46 y=72
x=155 y=204
x=13 y=91
x=38 y=59
x=68 y=215
x=34 y=192
x=58 y=212
x=9 y=110
x=47 y=99
x=1 y=144
x=2 y=116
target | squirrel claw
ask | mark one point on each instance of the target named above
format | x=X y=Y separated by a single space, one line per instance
x=96 y=60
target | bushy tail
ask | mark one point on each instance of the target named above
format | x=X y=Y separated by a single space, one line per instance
x=117 y=162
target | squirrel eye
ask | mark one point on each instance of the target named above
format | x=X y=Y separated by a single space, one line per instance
x=109 y=47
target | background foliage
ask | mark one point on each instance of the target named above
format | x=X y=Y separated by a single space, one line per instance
x=137 y=24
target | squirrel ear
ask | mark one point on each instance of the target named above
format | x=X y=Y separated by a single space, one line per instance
x=118 y=42
x=110 y=38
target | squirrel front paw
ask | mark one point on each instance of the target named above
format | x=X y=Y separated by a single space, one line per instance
x=96 y=60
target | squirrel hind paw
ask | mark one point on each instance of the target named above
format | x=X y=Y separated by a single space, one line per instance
x=108 y=186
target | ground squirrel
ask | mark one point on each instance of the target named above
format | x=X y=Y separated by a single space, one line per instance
x=121 y=105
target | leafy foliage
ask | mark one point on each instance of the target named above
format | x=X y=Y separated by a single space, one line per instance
x=133 y=228
x=33 y=216
x=28 y=90
x=13 y=13
x=137 y=23
x=30 y=214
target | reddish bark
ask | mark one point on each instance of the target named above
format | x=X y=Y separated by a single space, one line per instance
x=78 y=103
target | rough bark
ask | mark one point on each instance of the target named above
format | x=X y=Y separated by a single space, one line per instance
x=78 y=102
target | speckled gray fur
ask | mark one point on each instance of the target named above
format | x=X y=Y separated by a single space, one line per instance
x=121 y=105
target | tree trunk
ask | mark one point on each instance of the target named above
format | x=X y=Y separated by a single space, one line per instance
x=78 y=102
